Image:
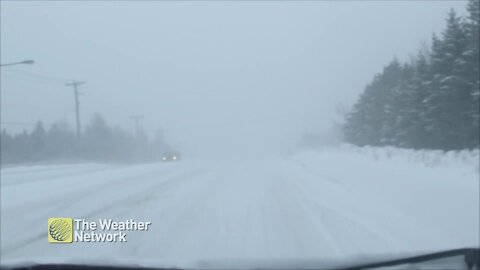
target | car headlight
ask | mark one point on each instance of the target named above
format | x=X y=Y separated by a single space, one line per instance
x=174 y=158
x=164 y=158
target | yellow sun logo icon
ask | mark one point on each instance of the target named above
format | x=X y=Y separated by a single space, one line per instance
x=60 y=230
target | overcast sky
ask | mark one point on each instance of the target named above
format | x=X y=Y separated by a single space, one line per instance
x=205 y=72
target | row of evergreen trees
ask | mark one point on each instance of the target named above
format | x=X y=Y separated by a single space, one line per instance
x=98 y=142
x=431 y=102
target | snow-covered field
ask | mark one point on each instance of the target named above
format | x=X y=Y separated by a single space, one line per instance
x=338 y=203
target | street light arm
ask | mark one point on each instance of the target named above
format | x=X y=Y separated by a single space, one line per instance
x=26 y=62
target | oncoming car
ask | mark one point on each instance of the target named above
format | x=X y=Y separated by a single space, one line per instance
x=171 y=156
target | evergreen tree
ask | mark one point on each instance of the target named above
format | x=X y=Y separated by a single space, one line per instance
x=419 y=87
x=97 y=140
x=394 y=84
x=365 y=122
x=60 y=142
x=432 y=102
x=38 y=142
x=6 y=143
x=22 y=147
x=471 y=70
x=405 y=102
x=449 y=97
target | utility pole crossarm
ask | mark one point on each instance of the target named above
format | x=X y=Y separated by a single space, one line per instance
x=75 y=83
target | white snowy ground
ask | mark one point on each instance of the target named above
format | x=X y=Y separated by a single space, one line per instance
x=315 y=206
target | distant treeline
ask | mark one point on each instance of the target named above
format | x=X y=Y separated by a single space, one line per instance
x=98 y=142
x=431 y=102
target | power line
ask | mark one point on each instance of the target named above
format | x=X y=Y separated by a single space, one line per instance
x=31 y=80
x=39 y=77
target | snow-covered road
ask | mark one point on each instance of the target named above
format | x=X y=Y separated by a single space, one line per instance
x=310 y=206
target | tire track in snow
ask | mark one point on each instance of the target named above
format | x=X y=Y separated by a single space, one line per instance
x=75 y=196
x=345 y=217
x=145 y=195
x=303 y=214
x=179 y=227
x=138 y=198
x=25 y=169
x=57 y=176
x=331 y=205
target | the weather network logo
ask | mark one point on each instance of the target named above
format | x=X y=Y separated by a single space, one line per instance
x=60 y=230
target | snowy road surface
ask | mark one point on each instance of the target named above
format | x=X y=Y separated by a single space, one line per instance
x=316 y=205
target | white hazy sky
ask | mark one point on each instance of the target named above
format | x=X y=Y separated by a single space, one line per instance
x=208 y=73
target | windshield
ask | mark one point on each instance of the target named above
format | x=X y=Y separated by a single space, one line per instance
x=238 y=134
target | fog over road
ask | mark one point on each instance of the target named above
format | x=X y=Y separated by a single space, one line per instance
x=299 y=207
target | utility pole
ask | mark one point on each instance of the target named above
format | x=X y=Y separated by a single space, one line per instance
x=137 y=119
x=77 y=103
